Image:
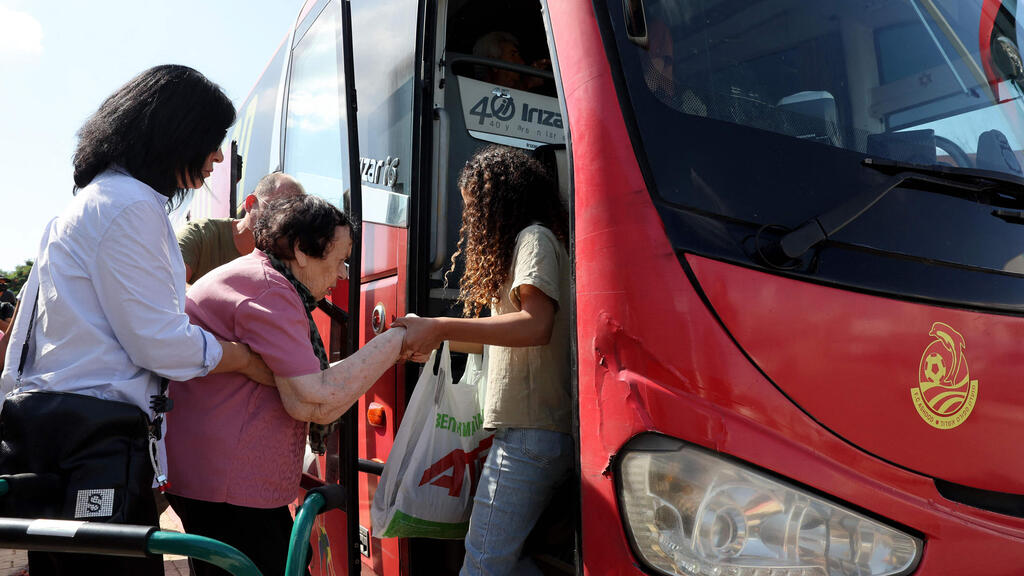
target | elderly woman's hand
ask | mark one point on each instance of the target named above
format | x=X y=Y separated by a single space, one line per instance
x=421 y=337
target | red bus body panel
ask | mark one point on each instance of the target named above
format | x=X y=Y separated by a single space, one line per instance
x=852 y=362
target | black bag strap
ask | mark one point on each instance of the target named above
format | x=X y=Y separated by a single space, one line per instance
x=28 y=336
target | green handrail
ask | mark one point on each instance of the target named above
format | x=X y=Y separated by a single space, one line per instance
x=300 y=534
x=202 y=548
x=3 y=487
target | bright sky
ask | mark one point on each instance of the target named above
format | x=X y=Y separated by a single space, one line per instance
x=60 y=59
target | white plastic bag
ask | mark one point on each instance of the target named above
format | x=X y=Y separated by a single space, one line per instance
x=426 y=489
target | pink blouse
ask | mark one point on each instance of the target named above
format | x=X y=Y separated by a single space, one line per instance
x=229 y=439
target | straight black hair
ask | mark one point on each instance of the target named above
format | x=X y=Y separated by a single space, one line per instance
x=161 y=125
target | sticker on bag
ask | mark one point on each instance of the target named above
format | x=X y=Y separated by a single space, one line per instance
x=97 y=503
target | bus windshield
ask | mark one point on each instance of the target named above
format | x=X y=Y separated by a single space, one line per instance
x=909 y=80
x=762 y=112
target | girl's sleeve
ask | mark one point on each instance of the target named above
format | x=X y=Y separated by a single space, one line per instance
x=536 y=262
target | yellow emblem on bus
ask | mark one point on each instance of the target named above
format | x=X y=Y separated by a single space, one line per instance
x=945 y=394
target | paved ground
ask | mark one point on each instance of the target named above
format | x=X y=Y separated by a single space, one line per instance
x=15 y=562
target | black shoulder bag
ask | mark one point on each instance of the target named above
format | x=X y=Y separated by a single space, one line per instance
x=98 y=450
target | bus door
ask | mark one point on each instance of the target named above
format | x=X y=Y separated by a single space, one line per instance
x=320 y=149
x=383 y=48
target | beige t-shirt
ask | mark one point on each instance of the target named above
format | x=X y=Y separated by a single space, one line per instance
x=529 y=387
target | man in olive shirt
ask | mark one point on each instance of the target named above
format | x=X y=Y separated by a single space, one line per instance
x=208 y=243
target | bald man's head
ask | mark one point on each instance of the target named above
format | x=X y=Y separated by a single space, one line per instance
x=277 y=186
x=270 y=188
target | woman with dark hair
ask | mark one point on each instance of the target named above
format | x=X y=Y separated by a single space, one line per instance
x=513 y=235
x=103 y=320
x=235 y=447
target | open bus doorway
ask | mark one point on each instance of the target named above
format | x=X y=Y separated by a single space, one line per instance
x=493 y=85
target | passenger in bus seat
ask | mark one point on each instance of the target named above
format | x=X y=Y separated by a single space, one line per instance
x=235 y=447
x=104 y=319
x=211 y=242
x=501 y=45
x=513 y=237
x=659 y=71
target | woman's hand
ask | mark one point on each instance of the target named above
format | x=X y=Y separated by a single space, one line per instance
x=258 y=371
x=422 y=336
x=238 y=357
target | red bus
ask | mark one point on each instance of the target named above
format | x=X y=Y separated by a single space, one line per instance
x=798 y=265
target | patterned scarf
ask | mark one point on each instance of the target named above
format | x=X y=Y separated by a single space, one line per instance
x=317 y=432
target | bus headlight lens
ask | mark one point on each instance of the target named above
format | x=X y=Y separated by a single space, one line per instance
x=690 y=512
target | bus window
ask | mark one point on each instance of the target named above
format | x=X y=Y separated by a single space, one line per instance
x=315 y=129
x=255 y=125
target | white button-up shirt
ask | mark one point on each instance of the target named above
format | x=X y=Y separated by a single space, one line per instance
x=111 y=317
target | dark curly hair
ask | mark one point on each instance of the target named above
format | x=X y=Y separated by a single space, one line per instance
x=307 y=221
x=163 y=123
x=505 y=190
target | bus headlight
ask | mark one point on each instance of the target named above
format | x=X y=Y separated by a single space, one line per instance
x=690 y=512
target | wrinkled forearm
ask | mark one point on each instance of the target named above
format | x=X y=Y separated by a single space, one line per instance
x=323 y=397
x=299 y=409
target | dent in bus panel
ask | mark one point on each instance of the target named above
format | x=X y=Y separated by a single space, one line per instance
x=316 y=130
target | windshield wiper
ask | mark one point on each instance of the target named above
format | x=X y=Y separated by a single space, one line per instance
x=994 y=178
x=965 y=182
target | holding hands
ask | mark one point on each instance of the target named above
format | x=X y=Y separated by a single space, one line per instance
x=422 y=335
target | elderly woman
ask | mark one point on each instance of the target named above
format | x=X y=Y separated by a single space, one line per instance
x=236 y=447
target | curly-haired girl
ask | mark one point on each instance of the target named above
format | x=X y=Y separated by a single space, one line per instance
x=513 y=239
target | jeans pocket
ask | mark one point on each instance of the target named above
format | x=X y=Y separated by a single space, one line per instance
x=539 y=445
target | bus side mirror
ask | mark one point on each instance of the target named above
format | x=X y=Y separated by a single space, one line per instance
x=1006 y=59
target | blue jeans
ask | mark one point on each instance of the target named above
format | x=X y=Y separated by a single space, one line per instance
x=522 y=469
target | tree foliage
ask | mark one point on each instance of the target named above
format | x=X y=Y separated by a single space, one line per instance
x=17 y=278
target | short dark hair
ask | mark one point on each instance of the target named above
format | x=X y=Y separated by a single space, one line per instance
x=308 y=221
x=6 y=310
x=162 y=124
